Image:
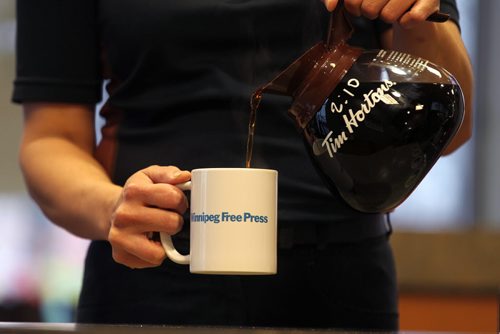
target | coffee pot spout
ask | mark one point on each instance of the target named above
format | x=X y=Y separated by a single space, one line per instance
x=290 y=81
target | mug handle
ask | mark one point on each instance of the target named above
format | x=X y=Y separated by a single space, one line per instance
x=166 y=239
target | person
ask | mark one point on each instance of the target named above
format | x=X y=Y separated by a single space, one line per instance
x=179 y=75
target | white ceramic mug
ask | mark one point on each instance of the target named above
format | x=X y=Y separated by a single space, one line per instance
x=233 y=221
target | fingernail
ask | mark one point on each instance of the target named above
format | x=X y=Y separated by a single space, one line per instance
x=178 y=173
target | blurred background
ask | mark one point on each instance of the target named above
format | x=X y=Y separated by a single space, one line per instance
x=446 y=240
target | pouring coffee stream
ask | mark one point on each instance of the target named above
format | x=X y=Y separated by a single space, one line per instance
x=374 y=122
x=290 y=81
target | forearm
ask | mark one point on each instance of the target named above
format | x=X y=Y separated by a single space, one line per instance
x=62 y=176
x=440 y=43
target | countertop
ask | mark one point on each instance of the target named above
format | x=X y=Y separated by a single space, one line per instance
x=62 y=328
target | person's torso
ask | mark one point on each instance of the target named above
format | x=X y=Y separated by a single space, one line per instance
x=181 y=77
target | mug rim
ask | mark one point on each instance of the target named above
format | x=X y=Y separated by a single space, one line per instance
x=239 y=169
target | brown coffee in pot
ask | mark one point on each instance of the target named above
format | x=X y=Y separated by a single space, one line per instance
x=374 y=121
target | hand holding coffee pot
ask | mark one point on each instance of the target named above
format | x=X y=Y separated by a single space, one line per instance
x=405 y=13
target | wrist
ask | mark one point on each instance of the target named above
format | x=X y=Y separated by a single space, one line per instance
x=421 y=33
x=110 y=200
x=426 y=40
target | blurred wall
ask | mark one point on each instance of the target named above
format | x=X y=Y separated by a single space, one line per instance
x=10 y=115
x=40 y=265
x=488 y=115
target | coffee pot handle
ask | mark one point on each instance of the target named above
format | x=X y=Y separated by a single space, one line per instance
x=339 y=28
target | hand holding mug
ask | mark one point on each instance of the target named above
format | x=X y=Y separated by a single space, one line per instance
x=150 y=201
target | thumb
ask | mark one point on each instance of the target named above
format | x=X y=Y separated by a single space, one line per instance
x=166 y=174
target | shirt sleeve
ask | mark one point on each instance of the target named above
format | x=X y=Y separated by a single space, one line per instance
x=450 y=7
x=57 y=52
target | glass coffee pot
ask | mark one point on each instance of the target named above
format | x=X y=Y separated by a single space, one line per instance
x=374 y=121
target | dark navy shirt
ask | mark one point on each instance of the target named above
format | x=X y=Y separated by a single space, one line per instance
x=179 y=76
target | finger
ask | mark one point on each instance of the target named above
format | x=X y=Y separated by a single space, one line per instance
x=331 y=4
x=140 y=219
x=130 y=260
x=394 y=10
x=126 y=247
x=419 y=13
x=371 y=8
x=158 y=195
x=353 y=6
x=166 y=174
